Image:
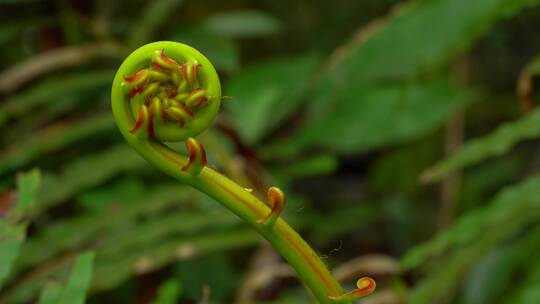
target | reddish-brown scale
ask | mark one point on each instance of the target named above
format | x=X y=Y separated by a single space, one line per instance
x=277 y=205
x=150 y=126
x=203 y=156
x=276 y=202
x=194 y=73
x=167 y=58
x=364 y=290
x=171 y=92
x=135 y=77
x=184 y=71
x=187 y=111
x=195 y=91
x=368 y=287
x=180 y=119
x=157 y=66
x=191 y=158
x=136 y=90
x=133 y=92
x=139 y=122
x=201 y=100
x=163 y=114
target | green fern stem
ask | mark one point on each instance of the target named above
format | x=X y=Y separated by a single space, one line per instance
x=167 y=91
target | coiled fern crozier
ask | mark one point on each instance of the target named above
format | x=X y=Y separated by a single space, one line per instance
x=168 y=91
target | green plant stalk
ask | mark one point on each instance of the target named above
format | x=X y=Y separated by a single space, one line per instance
x=246 y=206
x=240 y=201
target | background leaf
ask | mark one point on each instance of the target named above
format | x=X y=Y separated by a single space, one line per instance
x=221 y=51
x=27 y=189
x=370 y=117
x=11 y=239
x=169 y=292
x=154 y=15
x=496 y=143
x=75 y=290
x=51 y=293
x=264 y=94
x=242 y=24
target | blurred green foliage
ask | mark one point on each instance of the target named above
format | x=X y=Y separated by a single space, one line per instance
x=394 y=127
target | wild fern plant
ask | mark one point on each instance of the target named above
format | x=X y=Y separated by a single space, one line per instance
x=167 y=92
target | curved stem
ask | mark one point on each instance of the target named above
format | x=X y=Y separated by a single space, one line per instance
x=283 y=238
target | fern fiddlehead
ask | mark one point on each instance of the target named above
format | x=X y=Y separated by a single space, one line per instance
x=167 y=91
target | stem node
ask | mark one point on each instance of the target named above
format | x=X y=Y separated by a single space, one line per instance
x=366 y=286
x=277 y=198
x=197 y=157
